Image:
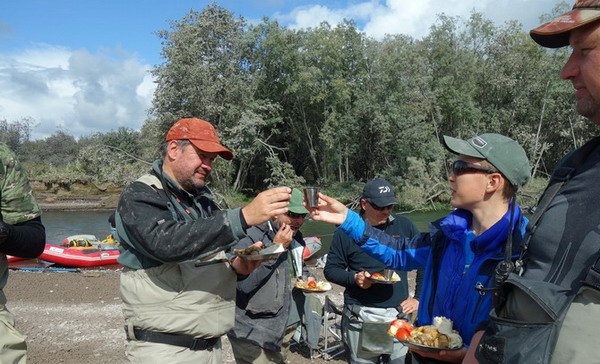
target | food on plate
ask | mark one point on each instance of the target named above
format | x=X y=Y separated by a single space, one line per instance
x=251 y=250
x=400 y=329
x=380 y=277
x=312 y=285
x=438 y=335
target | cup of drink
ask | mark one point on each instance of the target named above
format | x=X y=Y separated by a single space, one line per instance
x=311 y=195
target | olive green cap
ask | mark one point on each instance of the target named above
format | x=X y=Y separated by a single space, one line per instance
x=504 y=153
x=295 y=205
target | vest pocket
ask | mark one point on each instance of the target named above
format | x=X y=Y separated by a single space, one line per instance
x=181 y=298
x=525 y=328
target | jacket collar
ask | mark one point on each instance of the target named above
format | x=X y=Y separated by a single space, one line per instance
x=456 y=225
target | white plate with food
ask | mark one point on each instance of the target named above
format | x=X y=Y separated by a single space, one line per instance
x=428 y=349
x=380 y=278
x=434 y=338
x=254 y=252
x=313 y=286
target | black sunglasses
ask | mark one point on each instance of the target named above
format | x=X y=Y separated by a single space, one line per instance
x=380 y=208
x=293 y=215
x=459 y=167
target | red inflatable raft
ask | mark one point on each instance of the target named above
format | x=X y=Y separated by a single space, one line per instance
x=81 y=251
x=12 y=259
x=79 y=257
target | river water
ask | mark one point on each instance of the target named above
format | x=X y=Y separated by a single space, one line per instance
x=60 y=224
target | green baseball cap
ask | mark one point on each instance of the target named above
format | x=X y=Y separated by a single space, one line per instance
x=503 y=152
x=295 y=205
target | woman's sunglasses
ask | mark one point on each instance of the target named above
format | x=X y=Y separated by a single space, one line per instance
x=293 y=215
x=459 y=167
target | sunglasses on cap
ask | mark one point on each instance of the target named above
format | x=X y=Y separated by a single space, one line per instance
x=293 y=215
x=378 y=208
x=459 y=167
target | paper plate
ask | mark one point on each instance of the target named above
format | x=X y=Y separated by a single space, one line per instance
x=267 y=253
x=313 y=290
x=316 y=290
x=428 y=349
x=395 y=279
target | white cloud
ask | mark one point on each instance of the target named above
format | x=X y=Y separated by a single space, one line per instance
x=377 y=18
x=313 y=15
x=76 y=91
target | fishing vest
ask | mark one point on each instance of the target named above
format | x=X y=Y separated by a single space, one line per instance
x=551 y=311
x=195 y=297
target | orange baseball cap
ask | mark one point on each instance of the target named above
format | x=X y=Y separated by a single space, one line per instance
x=200 y=133
x=555 y=33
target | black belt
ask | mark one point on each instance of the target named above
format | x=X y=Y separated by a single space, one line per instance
x=186 y=341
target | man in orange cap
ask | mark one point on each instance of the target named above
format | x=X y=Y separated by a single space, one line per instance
x=549 y=312
x=178 y=285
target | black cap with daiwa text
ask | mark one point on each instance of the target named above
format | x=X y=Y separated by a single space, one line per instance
x=379 y=192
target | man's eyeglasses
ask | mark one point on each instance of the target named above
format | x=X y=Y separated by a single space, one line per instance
x=459 y=167
x=380 y=208
x=293 y=215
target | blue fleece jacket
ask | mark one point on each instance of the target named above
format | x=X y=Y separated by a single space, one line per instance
x=448 y=289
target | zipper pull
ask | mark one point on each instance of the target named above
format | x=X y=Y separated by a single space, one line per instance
x=479 y=287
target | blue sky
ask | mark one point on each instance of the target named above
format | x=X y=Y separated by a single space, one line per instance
x=82 y=66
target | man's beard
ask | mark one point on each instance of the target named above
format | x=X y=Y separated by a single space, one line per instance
x=588 y=107
x=191 y=187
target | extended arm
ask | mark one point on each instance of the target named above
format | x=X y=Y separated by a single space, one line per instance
x=396 y=252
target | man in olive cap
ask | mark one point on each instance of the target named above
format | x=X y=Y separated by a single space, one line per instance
x=178 y=285
x=263 y=298
x=557 y=317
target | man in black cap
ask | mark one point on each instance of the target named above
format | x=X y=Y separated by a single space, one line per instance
x=556 y=318
x=364 y=299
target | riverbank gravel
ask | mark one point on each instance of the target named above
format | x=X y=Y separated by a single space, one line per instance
x=75 y=318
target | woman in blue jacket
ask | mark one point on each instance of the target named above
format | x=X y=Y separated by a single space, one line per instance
x=460 y=251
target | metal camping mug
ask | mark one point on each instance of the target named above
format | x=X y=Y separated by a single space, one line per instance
x=311 y=195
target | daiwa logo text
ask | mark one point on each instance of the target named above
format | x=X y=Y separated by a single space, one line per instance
x=384 y=189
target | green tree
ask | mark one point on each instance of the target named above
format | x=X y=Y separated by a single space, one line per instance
x=15 y=133
x=59 y=149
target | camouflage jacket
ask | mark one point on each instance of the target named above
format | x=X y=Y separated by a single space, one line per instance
x=17 y=203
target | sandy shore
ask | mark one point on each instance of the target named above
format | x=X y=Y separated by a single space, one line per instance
x=75 y=318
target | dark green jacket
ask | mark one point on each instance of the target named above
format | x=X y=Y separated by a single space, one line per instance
x=157 y=222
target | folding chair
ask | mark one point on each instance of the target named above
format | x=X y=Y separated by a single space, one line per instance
x=332 y=325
